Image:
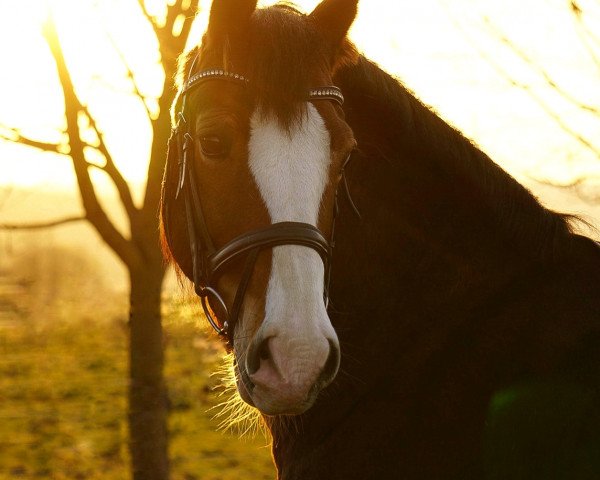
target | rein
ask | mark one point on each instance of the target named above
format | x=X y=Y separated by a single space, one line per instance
x=208 y=261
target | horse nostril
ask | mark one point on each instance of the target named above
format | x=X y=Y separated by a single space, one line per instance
x=263 y=350
x=331 y=365
x=258 y=351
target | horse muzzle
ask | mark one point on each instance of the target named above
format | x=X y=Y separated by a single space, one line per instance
x=283 y=374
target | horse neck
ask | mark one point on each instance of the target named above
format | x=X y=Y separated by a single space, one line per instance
x=427 y=191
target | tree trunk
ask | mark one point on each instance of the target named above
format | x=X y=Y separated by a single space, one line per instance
x=147 y=391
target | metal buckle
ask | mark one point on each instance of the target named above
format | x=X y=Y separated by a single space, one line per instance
x=204 y=292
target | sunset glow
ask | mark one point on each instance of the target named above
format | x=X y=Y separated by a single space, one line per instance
x=451 y=54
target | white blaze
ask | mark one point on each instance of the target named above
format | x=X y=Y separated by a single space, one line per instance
x=291 y=170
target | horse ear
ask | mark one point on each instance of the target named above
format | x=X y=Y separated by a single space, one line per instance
x=334 y=18
x=229 y=17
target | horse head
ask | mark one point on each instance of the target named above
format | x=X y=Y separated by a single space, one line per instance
x=249 y=193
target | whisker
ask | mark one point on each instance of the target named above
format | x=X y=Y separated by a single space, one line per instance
x=233 y=414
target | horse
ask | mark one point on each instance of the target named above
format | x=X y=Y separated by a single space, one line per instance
x=397 y=306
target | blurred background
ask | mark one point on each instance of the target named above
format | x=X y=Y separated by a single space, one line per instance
x=84 y=93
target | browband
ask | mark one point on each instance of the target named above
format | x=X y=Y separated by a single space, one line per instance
x=323 y=93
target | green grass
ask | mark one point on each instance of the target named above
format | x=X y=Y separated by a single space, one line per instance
x=63 y=406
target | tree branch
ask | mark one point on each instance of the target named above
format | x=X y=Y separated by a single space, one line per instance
x=539 y=69
x=149 y=17
x=576 y=185
x=93 y=210
x=130 y=74
x=189 y=19
x=578 y=13
x=584 y=141
x=142 y=5
x=523 y=86
x=111 y=169
x=586 y=36
x=173 y=11
x=41 y=225
x=16 y=137
x=170 y=47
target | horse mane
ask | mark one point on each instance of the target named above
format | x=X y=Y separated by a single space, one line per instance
x=404 y=122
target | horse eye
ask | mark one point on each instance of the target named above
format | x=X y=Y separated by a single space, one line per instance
x=213 y=147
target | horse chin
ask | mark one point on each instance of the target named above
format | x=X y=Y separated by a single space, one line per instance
x=244 y=385
x=273 y=407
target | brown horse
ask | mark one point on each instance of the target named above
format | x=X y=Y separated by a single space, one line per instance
x=383 y=285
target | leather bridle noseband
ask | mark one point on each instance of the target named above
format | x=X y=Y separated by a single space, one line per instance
x=208 y=261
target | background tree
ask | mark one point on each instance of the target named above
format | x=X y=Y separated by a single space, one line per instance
x=139 y=249
x=544 y=86
x=590 y=41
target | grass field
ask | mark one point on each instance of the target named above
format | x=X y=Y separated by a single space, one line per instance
x=63 y=386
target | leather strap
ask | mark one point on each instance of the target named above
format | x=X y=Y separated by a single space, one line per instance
x=328 y=92
x=282 y=233
x=240 y=294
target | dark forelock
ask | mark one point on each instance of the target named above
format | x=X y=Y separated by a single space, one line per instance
x=286 y=53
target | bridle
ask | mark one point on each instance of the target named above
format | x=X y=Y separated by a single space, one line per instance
x=208 y=261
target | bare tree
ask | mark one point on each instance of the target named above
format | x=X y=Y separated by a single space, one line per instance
x=139 y=250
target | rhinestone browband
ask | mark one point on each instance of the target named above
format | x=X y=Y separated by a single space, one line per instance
x=207 y=74
x=322 y=93
x=327 y=93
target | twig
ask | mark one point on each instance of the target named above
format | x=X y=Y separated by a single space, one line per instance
x=539 y=69
x=149 y=17
x=527 y=88
x=575 y=185
x=111 y=169
x=574 y=182
x=18 y=138
x=130 y=75
x=41 y=225
x=584 y=33
x=578 y=12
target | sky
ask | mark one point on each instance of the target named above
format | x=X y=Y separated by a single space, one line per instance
x=451 y=53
